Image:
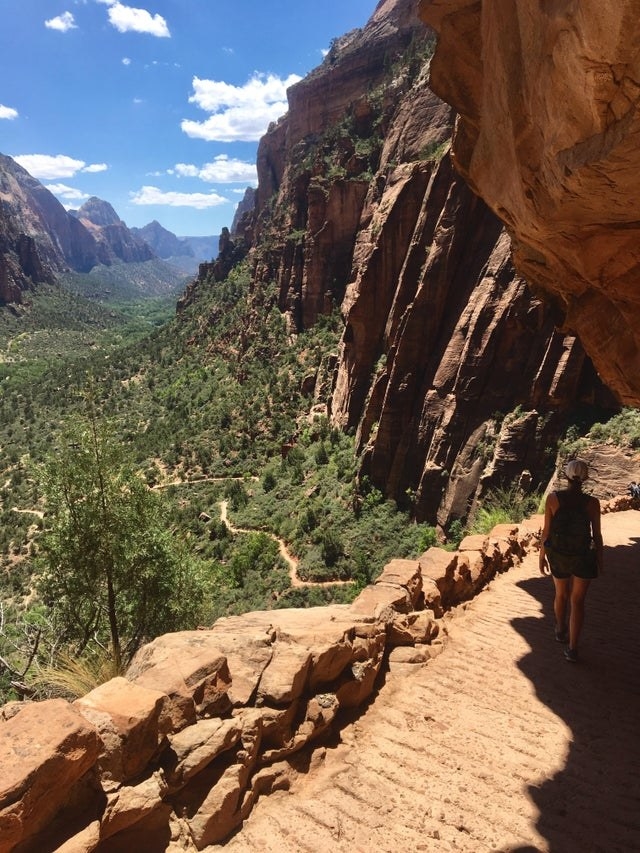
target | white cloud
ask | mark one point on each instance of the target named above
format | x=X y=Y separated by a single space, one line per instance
x=185 y=171
x=126 y=60
x=63 y=23
x=68 y=193
x=222 y=170
x=49 y=166
x=200 y=201
x=129 y=19
x=239 y=113
x=8 y=112
x=54 y=166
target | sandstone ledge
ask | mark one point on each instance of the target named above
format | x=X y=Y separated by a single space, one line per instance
x=175 y=755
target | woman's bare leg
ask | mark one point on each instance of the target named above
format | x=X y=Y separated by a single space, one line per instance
x=560 y=602
x=579 y=587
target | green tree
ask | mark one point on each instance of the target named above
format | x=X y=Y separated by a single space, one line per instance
x=111 y=569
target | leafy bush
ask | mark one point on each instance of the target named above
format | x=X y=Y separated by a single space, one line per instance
x=504 y=506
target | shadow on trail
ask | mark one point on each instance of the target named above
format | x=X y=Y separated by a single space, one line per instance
x=593 y=803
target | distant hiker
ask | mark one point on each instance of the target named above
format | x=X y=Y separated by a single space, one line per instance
x=571 y=551
x=634 y=489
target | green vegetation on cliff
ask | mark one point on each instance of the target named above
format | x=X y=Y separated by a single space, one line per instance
x=212 y=410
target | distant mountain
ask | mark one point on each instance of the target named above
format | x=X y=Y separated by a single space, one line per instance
x=98 y=212
x=101 y=220
x=204 y=248
x=40 y=242
x=184 y=253
x=38 y=238
x=164 y=243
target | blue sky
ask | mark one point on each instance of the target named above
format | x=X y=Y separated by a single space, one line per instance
x=157 y=106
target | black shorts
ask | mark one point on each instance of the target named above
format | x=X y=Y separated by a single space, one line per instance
x=565 y=566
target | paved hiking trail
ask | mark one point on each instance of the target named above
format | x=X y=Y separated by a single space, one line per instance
x=497 y=744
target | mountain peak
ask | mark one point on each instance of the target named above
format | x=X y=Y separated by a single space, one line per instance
x=98 y=212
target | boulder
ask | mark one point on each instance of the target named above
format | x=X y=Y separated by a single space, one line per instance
x=195 y=747
x=129 y=805
x=127 y=717
x=412 y=628
x=405 y=573
x=45 y=752
x=286 y=674
x=381 y=600
x=85 y=841
x=189 y=669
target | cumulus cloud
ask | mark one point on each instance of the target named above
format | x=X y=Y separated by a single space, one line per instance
x=129 y=19
x=54 y=166
x=222 y=170
x=126 y=60
x=8 y=112
x=62 y=23
x=199 y=201
x=68 y=193
x=238 y=113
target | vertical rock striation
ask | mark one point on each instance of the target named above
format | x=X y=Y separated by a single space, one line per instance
x=358 y=207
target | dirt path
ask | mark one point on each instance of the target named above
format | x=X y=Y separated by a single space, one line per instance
x=498 y=744
x=37 y=512
x=291 y=561
x=166 y=485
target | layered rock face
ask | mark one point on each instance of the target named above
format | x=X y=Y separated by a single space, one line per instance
x=111 y=234
x=316 y=166
x=39 y=239
x=443 y=340
x=548 y=135
x=358 y=207
x=37 y=236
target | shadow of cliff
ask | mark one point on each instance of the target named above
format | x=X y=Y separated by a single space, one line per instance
x=593 y=803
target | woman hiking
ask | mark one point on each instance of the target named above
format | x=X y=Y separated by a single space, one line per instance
x=571 y=551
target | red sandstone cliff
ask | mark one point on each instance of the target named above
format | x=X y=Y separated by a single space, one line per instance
x=358 y=207
x=548 y=134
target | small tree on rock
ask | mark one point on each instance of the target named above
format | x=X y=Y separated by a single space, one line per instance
x=112 y=570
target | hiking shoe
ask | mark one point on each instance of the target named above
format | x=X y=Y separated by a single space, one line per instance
x=562 y=635
x=571 y=655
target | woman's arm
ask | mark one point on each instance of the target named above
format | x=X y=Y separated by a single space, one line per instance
x=593 y=509
x=550 y=506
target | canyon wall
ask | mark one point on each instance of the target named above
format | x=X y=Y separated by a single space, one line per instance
x=548 y=135
x=451 y=370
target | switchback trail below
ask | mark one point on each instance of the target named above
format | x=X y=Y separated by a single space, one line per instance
x=498 y=744
x=291 y=561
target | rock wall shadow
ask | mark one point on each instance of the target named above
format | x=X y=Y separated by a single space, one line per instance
x=593 y=803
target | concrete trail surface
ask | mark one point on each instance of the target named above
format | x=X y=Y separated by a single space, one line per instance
x=497 y=744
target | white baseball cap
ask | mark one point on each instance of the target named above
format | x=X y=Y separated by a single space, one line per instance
x=577 y=469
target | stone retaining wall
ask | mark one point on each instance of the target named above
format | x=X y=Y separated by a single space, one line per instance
x=174 y=756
